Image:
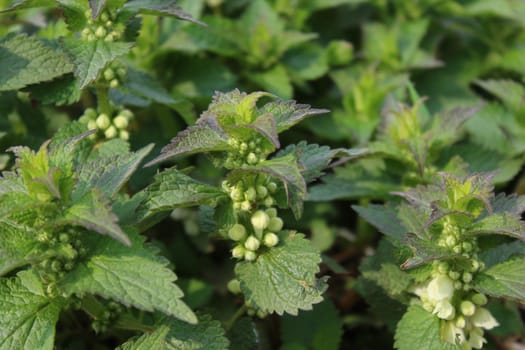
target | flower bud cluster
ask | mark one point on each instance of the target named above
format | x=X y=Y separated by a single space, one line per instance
x=64 y=249
x=113 y=75
x=260 y=232
x=250 y=193
x=253 y=310
x=108 y=127
x=449 y=296
x=102 y=28
x=244 y=152
x=108 y=317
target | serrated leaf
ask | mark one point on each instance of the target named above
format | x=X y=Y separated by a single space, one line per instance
x=74 y=13
x=28 y=319
x=27 y=4
x=93 y=212
x=17 y=242
x=89 y=57
x=508 y=91
x=384 y=218
x=282 y=279
x=155 y=340
x=289 y=113
x=391 y=278
x=503 y=280
x=158 y=8
x=206 y=136
x=96 y=7
x=502 y=253
x=108 y=174
x=208 y=334
x=144 y=85
x=314 y=158
x=131 y=275
x=61 y=91
x=419 y=329
x=424 y=252
x=501 y=223
x=172 y=189
x=244 y=335
x=317 y=329
x=264 y=125
x=513 y=203
x=26 y=60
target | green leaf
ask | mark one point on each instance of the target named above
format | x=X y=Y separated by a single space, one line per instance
x=25 y=60
x=508 y=91
x=282 y=279
x=108 y=174
x=502 y=253
x=74 y=13
x=314 y=158
x=419 y=329
x=17 y=242
x=274 y=80
x=157 y=8
x=131 y=275
x=206 y=136
x=384 y=218
x=144 y=85
x=93 y=212
x=508 y=224
x=27 y=4
x=89 y=57
x=391 y=278
x=318 y=329
x=244 y=335
x=503 y=280
x=28 y=319
x=208 y=334
x=289 y=113
x=148 y=341
x=172 y=189
x=61 y=91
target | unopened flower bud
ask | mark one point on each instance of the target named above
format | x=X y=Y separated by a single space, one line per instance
x=262 y=191
x=272 y=187
x=467 y=308
x=272 y=212
x=270 y=239
x=124 y=135
x=92 y=125
x=114 y=83
x=269 y=201
x=103 y=121
x=252 y=243
x=109 y=74
x=479 y=299
x=100 y=32
x=250 y=194
x=251 y=158
x=276 y=224
x=237 y=232
x=461 y=322
x=234 y=286
x=246 y=206
x=110 y=132
x=238 y=252
x=120 y=122
x=250 y=256
x=467 y=277
x=260 y=221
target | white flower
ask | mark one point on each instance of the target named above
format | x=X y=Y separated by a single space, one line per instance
x=476 y=339
x=453 y=334
x=440 y=288
x=484 y=319
x=444 y=310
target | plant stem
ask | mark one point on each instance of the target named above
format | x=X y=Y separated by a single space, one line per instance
x=238 y=314
x=104 y=105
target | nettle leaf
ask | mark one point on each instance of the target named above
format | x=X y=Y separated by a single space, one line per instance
x=27 y=4
x=206 y=136
x=282 y=279
x=93 y=211
x=289 y=113
x=508 y=224
x=96 y=7
x=424 y=251
x=234 y=107
x=244 y=335
x=17 y=243
x=384 y=218
x=502 y=253
x=26 y=60
x=318 y=329
x=28 y=319
x=89 y=57
x=508 y=91
x=263 y=125
x=172 y=189
x=157 y=8
x=147 y=341
x=419 y=329
x=503 y=280
x=60 y=91
x=208 y=334
x=146 y=86
x=391 y=278
x=314 y=158
x=512 y=204
x=134 y=276
x=74 y=13
x=108 y=174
